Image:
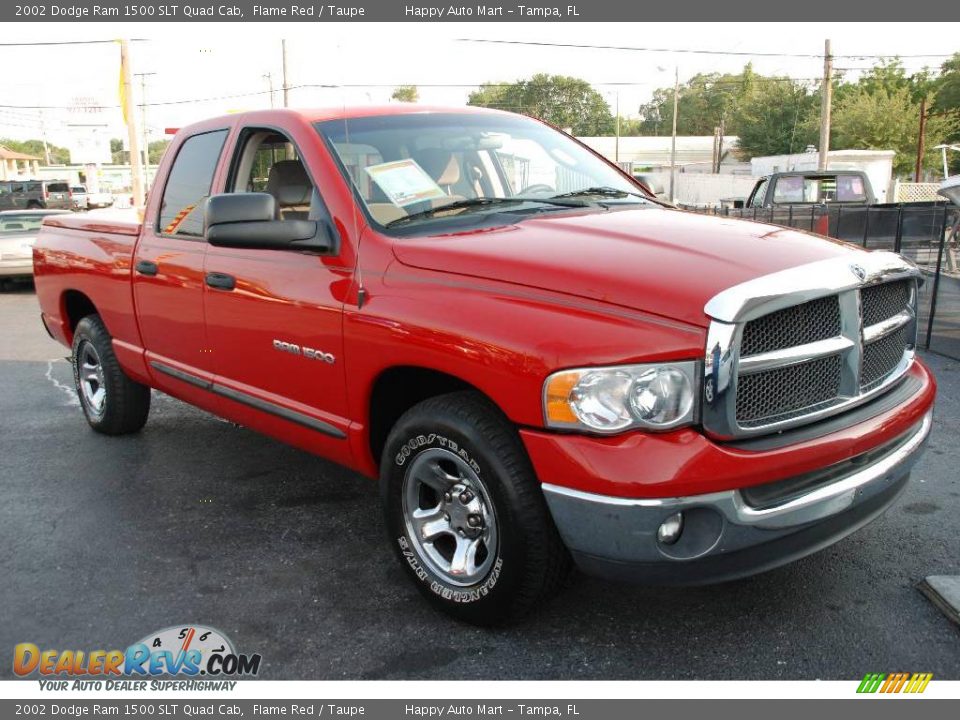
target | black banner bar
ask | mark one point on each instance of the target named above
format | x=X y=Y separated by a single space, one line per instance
x=224 y=707
x=435 y=11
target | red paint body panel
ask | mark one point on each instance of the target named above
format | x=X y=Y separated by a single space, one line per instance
x=662 y=261
x=498 y=309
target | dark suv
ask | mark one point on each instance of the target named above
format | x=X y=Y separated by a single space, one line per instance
x=35 y=194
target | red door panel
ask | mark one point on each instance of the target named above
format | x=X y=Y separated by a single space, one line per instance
x=277 y=342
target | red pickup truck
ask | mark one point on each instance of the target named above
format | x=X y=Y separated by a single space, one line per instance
x=539 y=361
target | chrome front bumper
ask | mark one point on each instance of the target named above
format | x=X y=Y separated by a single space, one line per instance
x=724 y=535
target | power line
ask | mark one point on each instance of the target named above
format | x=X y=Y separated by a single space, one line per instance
x=66 y=42
x=342 y=86
x=696 y=51
x=701 y=81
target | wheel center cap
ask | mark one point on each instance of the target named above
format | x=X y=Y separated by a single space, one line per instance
x=465 y=510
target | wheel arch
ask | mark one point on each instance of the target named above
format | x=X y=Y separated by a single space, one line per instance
x=75 y=305
x=397 y=389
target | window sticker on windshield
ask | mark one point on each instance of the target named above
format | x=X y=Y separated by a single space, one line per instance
x=404 y=182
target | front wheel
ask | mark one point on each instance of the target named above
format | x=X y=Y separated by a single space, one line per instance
x=112 y=403
x=465 y=512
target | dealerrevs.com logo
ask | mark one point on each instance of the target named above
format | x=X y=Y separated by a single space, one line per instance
x=185 y=651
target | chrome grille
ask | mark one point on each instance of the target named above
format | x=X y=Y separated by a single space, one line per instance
x=881 y=302
x=799 y=345
x=815 y=320
x=881 y=357
x=779 y=394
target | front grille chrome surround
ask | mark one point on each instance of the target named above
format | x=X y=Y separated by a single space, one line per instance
x=855 y=324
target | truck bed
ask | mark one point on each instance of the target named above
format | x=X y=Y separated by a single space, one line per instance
x=108 y=220
x=89 y=255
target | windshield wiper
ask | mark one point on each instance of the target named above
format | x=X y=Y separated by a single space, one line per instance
x=602 y=190
x=483 y=202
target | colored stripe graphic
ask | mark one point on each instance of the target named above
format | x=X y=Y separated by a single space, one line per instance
x=894 y=683
x=175 y=223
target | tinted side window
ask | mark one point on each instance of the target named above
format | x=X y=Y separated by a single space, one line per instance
x=57 y=187
x=188 y=186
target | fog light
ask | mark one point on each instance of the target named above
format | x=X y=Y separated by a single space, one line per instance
x=670 y=529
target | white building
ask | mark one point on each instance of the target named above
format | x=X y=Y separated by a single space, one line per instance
x=652 y=152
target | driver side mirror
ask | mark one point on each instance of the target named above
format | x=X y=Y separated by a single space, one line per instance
x=248 y=221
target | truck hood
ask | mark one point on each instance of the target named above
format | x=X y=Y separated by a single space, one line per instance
x=665 y=262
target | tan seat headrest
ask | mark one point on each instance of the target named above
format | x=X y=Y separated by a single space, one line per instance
x=441 y=165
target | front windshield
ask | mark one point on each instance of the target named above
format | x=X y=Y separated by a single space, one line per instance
x=406 y=168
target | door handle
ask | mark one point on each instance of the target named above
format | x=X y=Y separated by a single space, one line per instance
x=146 y=267
x=221 y=281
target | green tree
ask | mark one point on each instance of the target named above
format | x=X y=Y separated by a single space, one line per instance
x=882 y=111
x=776 y=116
x=566 y=102
x=946 y=104
x=631 y=127
x=156 y=149
x=947 y=86
x=406 y=93
x=58 y=155
x=117 y=154
x=706 y=101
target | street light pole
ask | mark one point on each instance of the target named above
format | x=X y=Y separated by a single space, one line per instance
x=616 y=150
x=286 y=85
x=673 y=141
x=269 y=78
x=146 y=143
x=943 y=150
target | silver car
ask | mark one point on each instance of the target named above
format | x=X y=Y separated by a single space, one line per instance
x=18 y=231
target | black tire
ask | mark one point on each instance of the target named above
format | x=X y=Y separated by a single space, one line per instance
x=529 y=562
x=124 y=404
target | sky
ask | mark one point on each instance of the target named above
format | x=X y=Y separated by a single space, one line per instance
x=219 y=68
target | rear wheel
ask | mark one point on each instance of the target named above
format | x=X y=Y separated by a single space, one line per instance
x=466 y=514
x=112 y=403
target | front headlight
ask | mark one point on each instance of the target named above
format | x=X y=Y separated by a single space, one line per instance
x=658 y=396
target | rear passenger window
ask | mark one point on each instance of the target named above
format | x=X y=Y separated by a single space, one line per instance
x=189 y=183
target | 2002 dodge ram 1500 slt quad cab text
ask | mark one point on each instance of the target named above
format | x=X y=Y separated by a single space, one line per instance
x=540 y=362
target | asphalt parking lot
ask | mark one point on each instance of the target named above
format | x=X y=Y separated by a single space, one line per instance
x=197 y=521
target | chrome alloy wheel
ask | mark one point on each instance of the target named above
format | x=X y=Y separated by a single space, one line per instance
x=90 y=378
x=449 y=517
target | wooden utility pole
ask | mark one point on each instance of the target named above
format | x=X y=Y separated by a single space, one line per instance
x=673 y=141
x=826 y=100
x=286 y=85
x=136 y=169
x=723 y=130
x=920 y=140
x=715 y=154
